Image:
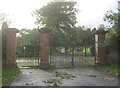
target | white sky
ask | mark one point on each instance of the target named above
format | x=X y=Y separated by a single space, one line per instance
x=91 y=12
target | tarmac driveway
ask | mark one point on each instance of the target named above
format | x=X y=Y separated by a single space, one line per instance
x=84 y=77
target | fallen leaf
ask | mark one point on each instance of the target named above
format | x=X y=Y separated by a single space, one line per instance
x=29 y=83
x=108 y=78
x=116 y=73
x=92 y=75
x=52 y=82
x=64 y=75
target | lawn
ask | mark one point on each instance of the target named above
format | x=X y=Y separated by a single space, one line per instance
x=8 y=75
x=81 y=53
x=32 y=63
x=89 y=62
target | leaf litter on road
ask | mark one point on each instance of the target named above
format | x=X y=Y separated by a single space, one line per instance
x=64 y=75
x=52 y=82
x=57 y=82
x=92 y=75
x=29 y=83
x=108 y=78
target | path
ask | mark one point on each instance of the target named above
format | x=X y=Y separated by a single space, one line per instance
x=34 y=77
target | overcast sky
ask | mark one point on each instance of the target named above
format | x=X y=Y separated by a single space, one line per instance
x=91 y=12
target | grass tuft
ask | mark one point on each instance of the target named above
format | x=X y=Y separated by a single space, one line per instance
x=8 y=75
x=115 y=69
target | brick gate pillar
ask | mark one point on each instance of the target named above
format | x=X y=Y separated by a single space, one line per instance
x=44 y=48
x=100 y=47
x=11 y=47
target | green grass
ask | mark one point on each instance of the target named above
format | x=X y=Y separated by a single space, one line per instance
x=8 y=75
x=32 y=65
x=20 y=64
x=115 y=69
x=87 y=50
x=88 y=62
x=81 y=53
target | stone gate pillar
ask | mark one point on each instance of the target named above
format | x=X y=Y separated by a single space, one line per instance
x=100 y=47
x=10 y=47
x=44 y=48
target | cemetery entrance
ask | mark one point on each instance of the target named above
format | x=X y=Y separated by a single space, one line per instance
x=61 y=54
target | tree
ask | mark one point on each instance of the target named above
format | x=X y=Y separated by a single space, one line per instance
x=113 y=18
x=29 y=39
x=59 y=18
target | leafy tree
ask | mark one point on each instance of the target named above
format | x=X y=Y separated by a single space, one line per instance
x=114 y=31
x=29 y=39
x=84 y=34
x=60 y=19
x=23 y=37
x=112 y=18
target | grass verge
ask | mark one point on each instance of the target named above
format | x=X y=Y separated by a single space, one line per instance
x=8 y=75
x=32 y=63
x=114 y=69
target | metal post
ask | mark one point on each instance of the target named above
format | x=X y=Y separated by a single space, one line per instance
x=85 y=47
x=24 y=50
x=37 y=53
x=73 y=55
x=50 y=55
x=24 y=55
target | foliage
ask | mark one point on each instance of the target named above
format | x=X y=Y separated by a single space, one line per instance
x=111 y=41
x=115 y=69
x=28 y=37
x=87 y=50
x=30 y=40
x=59 y=18
x=112 y=18
x=28 y=64
x=113 y=31
x=30 y=51
x=84 y=35
x=8 y=75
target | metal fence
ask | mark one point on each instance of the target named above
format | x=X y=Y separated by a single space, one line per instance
x=61 y=57
x=28 y=62
x=57 y=58
x=67 y=60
